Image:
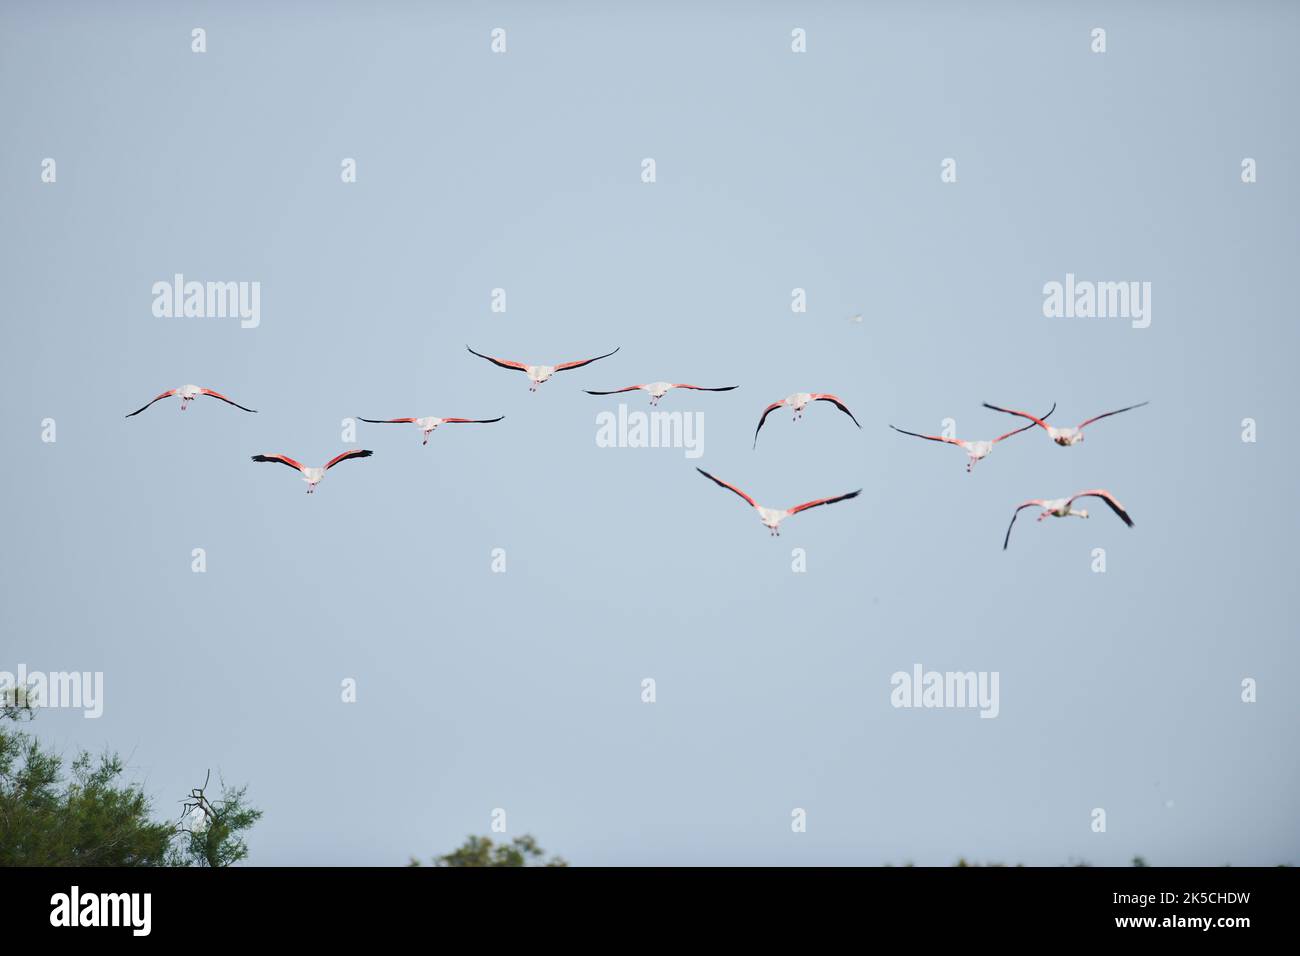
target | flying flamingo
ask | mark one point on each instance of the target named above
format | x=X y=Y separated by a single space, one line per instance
x=974 y=449
x=427 y=425
x=313 y=475
x=797 y=401
x=1061 y=508
x=1065 y=437
x=772 y=517
x=539 y=373
x=188 y=393
x=658 y=390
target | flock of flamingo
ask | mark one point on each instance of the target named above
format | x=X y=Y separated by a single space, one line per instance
x=797 y=402
x=1065 y=437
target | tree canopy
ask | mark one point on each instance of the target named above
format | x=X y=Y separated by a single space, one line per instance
x=89 y=816
x=481 y=851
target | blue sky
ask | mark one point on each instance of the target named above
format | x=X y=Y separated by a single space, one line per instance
x=522 y=690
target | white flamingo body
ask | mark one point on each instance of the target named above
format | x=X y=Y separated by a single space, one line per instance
x=658 y=390
x=772 y=517
x=537 y=374
x=187 y=394
x=313 y=475
x=1065 y=437
x=429 y=424
x=798 y=402
x=1064 y=508
x=975 y=450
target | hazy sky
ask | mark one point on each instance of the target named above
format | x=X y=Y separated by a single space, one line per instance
x=774 y=171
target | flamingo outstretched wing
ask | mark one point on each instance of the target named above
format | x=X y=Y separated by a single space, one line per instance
x=1097 y=418
x=355 y=453
x=473 y=421
x=1107 y=497
x=837 y=403
x=165 y=394
x=1028 y=504
x=1011 y=411
x=282 y=459
x=504 y=363
x=950 y=441
x=385 y=421
x=616 y=391
x=823 y=501
x=767 y=411
x=208 y=391
x=701 y=388
x=719 y=481
x=1026 y=427
x=565 y=366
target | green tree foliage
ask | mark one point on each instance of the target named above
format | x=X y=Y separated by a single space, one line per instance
x=481 y=851
x=87 y=816
x=212 y=832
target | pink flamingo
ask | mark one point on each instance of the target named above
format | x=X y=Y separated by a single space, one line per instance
x=1065 y=437
x=537 y=374
x=658 y=390
x=798 y=401
x=772 y=517
x=427 y=425
x=975 y=450
x=313 y=475
x=1063 y=508
x=188 y=393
